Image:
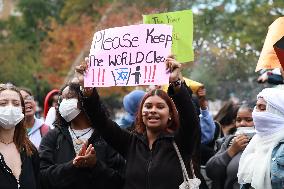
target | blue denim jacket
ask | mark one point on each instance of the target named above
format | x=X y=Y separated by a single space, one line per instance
x=277 y=167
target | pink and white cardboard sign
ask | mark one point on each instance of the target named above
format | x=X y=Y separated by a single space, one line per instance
x=129 y=56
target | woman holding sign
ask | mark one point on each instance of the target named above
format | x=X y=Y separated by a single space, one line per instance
x=165 y=125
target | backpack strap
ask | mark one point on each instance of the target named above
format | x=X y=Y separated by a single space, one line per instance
x=44 y=129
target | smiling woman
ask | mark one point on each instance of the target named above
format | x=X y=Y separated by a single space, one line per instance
x=14 y=144
x=158 y=113
x=155 y=113
x=152 y=161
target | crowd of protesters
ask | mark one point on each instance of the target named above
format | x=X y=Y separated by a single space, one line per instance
x=160 y=134
x=167 y=139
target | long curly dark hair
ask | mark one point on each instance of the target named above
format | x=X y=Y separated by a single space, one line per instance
x=20 y=139
x=74 y=87
x=173 y=124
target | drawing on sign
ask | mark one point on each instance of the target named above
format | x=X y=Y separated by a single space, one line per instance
x=149 y=75
x=121 y=75
x=137 y=74
x=101 y=76
x=129 y=56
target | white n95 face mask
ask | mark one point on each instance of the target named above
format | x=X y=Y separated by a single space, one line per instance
x=10 y=116
x=68 y=109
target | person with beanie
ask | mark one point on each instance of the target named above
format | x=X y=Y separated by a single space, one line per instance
x=131 y=104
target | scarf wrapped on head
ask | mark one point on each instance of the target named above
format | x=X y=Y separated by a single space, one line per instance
x=254 y=165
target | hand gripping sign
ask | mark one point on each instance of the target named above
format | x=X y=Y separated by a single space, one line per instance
x=129 y=56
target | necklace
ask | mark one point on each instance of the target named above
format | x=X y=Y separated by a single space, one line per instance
x=78 y=141
x=2 y=141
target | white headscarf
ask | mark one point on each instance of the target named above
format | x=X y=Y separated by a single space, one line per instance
x=254 y=165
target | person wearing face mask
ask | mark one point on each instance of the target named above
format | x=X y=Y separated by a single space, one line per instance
x=222 y=168
x=73 y=154
x=261 y=164
x=35 y=127
x=163 y=124
x=19 y=161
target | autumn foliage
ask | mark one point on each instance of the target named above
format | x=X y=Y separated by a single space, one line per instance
x=66 y=42
x=63 y=44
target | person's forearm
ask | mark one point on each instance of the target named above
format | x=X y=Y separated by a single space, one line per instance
x=109 y=130
x=189 y=131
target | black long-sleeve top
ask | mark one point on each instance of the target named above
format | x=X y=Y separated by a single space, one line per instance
x=158 y=168
x=29 y=177
x=222 y=169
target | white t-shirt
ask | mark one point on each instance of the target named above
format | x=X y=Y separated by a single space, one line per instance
x=79 y=137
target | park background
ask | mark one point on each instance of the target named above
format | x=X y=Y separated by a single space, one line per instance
x=42 y=40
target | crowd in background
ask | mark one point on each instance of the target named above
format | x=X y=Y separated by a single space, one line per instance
x=162 y=133
x=167 y=137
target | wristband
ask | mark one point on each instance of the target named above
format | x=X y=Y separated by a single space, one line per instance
x=176 y=83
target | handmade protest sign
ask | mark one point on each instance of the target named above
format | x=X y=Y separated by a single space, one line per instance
x=182 y=22
x=129 y=56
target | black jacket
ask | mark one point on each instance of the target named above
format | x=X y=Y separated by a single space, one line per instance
x=29 y=178
x=56 y=153
x=222 y=169
x=158 y=168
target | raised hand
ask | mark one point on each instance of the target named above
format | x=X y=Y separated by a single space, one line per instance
x=201 y=94
x=174 y=68
x=80 y=71
x=240 y=142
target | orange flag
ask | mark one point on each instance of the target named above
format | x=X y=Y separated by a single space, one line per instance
x=279 y=49
x=268 y=58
